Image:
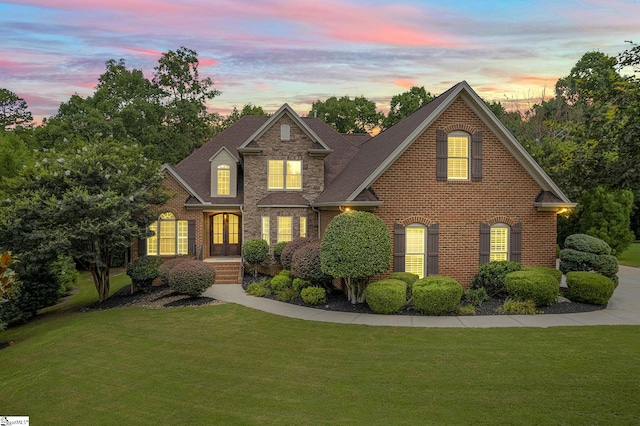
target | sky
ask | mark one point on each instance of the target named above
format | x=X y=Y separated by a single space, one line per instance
x=268 y=52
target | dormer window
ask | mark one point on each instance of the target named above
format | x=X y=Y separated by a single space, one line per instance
x=285 y=132
x=224 y=179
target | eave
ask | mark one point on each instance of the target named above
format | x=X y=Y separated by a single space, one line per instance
x=554 y=207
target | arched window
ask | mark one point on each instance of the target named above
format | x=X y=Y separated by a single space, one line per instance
x=499 y=242
x=170 y=238
x=224 y=179
x=415 y=252
x=458 y=156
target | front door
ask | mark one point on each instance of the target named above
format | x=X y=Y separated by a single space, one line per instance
x=225 y=234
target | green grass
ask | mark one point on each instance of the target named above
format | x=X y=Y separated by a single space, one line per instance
x=227 y=364
x=631 y=257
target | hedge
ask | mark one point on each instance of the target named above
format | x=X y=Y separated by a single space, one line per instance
x=436 y=295
x=555 y=273
x=143 y=271
x=289 y=250
x=386 y=296
x=167 y=266
x=491 y=275
x=280 y=282
x=587 y=243
x=305 y=264
x=541 y=288
x=191 y=277
x=589 y=287
x=314 y=295
x=573 y=260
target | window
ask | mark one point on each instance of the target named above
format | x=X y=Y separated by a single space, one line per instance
x=285 y=132
x=171 y=236
x=284 y=228
x=285 y=174
x=415 y=250
x=499 y=242
x=224 y=179
x=458 y=156
x=303 y=227
x=266 y=235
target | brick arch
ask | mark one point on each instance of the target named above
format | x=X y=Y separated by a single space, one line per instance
x=464 y=127
x=500 y=219
x=417 y=219
x=165 y=209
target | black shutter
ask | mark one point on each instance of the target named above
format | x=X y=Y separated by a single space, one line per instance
x=442 y=153
x=399 y=247
x=516 y=243
x=142 y=247
x=191 y=237
x=433 y=242
x=485 y=243
x=476 y=157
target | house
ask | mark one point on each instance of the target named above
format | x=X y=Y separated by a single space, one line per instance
x=452 y=184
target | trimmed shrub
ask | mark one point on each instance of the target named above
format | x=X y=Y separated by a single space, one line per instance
x=587 y=243
x=491 y=275
x=255 y=251
x=285 y=272
x=555 y=273
x=436 y=295
x=277 y=251
x=287 y=294
x=289 y=250
x=298 y=284
x=407 y=277
x=386 y=296
x=519 y=307
x=191 y=277
x=477 y=296
x=143 y=271
x=542 y=288
x=259 y=289
x=589 y=287
x=314 y=295
x=573 y=260
x=305 y=264
x=167 y=266
x=280 y=282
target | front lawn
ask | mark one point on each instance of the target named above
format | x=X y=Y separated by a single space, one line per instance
x=631 y=256
x=227 y=364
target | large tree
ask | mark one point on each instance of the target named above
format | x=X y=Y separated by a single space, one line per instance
x=247 y=109
x=406 y=103
x=89 y=202
x=346 y=115
x=13 y=110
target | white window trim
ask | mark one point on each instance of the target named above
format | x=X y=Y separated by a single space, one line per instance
x=285 y=186
x=266 y=229
x=154 y=243
x=508 y=241
x=459 y=133
x=424 y=245
x=280 y=234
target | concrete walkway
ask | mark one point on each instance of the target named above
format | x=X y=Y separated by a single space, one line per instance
x=623 y=309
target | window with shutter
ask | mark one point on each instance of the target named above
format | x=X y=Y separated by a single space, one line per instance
x=398 y=247
x=500 y=242
x=458 y=156
x=433 y=250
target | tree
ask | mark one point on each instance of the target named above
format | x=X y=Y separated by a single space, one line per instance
x=255 y=251
x=247 y=109
x=14 y=154
x=347 y=115
x=355 y=246
x=8 y=286
x=405 y=104
x=88 y=202
x=13 y=110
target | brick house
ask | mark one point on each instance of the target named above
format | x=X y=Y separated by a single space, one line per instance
x=452 y=184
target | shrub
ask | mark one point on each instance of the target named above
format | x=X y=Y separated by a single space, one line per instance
x=477 y=296
x=356 y=245
x=555 y=273
x=167 y=266
x=277 y=251
x=466 y=310
x=285 y=272
x=191 y=277
x=386 y=296
x=259 y=289
x=289 y=250
x=587 y=243
x=280 y=282
x=298 y=284
x=573 y=260
x=436 y=295
x=519 y=307
x=255 y=251
x=287 y=294
x=314 y=295
x=305 y=264
x=541 y=288
x=491 y=275
x=407 y=277
x=64 y=268
x=589 y=287
x=143 y=271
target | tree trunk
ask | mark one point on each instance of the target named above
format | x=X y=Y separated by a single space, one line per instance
x=101 y=280
x=355 y=290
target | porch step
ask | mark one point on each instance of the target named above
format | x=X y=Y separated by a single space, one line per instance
x=227 y=272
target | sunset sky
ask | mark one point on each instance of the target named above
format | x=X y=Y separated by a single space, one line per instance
x=270 y=52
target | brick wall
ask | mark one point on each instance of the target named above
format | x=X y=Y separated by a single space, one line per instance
x=506 y=193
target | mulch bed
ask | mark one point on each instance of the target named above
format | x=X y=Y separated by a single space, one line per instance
x=158 y=297
x=337 y=301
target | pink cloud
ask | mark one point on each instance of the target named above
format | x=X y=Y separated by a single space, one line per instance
x=405 y=83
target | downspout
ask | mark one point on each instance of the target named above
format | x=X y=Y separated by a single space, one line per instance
x=318 y=214
x=242 y=258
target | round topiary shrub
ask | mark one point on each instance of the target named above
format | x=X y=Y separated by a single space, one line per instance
x=143 y=271
x=191 y=277
x=555 y=273
x=314 y=295
x=255 y=251
x=436 y=295
x=587 y=243
x=167 y=266
x=386 y=296
x=491 y=275
x=589 y=287
x=407 y=277
x=280 y=282
x=542 y=288
x=289 y=250
x=305 y=264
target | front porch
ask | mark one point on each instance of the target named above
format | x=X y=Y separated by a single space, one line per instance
x=229 y=269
